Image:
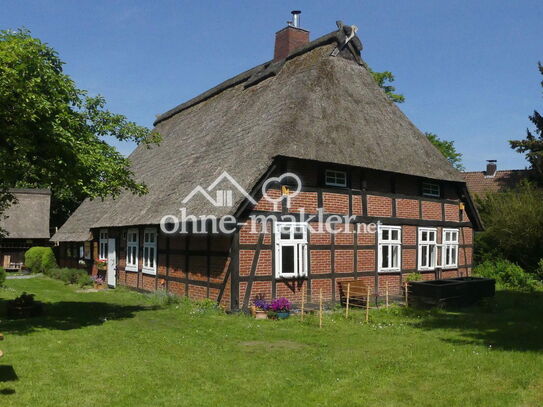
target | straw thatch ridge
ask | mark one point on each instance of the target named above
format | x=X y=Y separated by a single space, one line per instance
x=315 y=106
x=28 y=217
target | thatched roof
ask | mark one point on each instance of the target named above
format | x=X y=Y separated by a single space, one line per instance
x=311 y=106
x=28 y=217
x=77 y=227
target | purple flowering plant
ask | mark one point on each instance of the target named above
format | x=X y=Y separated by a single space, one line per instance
x=260 y=303
x=98 y=280
x=280 y=305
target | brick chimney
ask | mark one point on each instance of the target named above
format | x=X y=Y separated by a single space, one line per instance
x=491 y=168
x=290 y=38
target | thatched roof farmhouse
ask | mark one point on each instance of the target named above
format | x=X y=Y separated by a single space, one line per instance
x=314 y=105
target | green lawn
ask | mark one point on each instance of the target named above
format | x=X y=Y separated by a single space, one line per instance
x=119 y=348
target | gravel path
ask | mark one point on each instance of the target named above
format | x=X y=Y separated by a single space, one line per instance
x=22 y=277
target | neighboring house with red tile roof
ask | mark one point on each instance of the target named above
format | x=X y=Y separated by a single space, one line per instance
x=481 y=183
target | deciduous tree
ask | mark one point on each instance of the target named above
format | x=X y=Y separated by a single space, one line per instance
x=52 y=132
x=448 y=149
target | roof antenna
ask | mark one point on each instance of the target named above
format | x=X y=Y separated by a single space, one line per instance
x=295 y=19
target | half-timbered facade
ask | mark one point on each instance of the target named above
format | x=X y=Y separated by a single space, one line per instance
x=374 y=199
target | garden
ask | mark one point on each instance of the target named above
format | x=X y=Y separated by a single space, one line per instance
x=118 y=347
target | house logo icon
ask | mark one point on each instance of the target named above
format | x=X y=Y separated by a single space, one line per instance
x=223 y=197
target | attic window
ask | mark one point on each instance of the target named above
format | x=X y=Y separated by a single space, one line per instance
x=431 y=189
x=335 y=178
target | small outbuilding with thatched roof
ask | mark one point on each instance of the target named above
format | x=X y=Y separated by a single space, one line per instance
x=24 y=224
x=305 y=141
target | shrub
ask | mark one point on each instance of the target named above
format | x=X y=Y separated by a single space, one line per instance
x=513 y=226
x=505 y=273
x=2 y=276
x=163 y=298
x=40 y=259
x=71 y=276
x=84 y=280
x=539 y=270
x=413 y=277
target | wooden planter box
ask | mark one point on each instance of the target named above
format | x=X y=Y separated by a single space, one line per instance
x=453 y=291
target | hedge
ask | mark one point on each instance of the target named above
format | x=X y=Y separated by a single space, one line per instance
x=40 y=259
x=2 y=276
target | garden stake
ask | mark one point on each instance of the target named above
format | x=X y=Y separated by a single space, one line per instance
x=386 y=293
x=303 y=292
x=348 y=295
x=368 y=305
x=320 y=309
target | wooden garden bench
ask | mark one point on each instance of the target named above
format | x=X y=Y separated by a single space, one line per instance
x=15 y=266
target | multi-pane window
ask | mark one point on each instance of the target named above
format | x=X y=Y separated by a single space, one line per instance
x=390 y=246
x=431 y=189
x=336 y=178
x=103 y=245
x=149 y=251
x=450 y=248
x=132 y=250
x=427 y=248
x=290 y=250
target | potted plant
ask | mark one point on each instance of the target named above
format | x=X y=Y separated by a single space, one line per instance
x=281 y=307
x=260 y=307
x=101 y=265
x=98 y=282
x=24 y=306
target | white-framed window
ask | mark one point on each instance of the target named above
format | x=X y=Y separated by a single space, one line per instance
x=390 y=248
x=450 y=248
x=102 y=253
x=335 y=178
x=132 y=250
x=431 y=189
x=427 y=248
x=149 y=251
x=290 y=249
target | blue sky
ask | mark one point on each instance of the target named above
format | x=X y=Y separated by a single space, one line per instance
x=468 y=69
